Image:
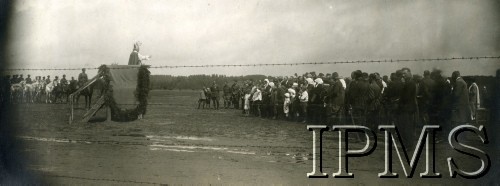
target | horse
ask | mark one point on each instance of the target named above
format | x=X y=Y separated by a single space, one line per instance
x=48 y=91
x=28 y=92
x=16 y=92
x=58 y=93
x=66 y=90
x=87 y=93
x=39 y=88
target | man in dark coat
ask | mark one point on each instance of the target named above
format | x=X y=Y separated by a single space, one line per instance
x=235 y=95
x=408 y=109
x=426 y=98
x=72 y=85
x=373 y=102
x=227 y=95
x=317 y=94
x=392 y=97
x=335 y=101
x=358 y=97
x=215 y=95
x=460 y=109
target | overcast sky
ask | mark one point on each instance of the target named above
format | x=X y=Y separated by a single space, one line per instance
x=60 y=34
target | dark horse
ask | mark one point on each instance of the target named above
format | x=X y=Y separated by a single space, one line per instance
x=88 y=92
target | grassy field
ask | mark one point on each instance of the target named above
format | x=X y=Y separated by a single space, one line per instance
x=176 y=143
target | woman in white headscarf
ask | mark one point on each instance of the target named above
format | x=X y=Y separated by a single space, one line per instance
x=135 y=57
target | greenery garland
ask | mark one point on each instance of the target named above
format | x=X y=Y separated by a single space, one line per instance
x=141 y=94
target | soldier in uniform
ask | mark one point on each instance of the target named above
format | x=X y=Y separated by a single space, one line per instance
x=47 y=80
x=20 y=79
x=82 y=78
x=28 y=80
x=214 y=89
x=72 y=84
x=63 y=81
x=236 y=94
x=335 y=100
x=227 y=95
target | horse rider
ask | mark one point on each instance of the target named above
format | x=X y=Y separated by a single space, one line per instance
x=56 y=81
x=47 y=80
x=63 y=81
x=82 y=78
x=72 y=83
x=28 y=80
x=20 y=79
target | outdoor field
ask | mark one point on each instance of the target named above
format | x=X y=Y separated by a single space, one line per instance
x=176 y=143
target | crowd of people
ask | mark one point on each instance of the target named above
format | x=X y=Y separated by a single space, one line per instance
x=17 y=89
x=367 y=99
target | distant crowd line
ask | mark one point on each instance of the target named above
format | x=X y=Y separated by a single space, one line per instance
x=363 y=99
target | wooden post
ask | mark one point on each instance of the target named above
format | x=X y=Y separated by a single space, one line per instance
x=71 y=105
x=108 y=113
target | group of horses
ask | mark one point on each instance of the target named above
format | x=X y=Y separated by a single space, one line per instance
x=39 y=92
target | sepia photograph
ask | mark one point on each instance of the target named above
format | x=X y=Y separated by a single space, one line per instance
x=255 y=92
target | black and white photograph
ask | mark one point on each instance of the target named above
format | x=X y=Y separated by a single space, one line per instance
x=255 y=92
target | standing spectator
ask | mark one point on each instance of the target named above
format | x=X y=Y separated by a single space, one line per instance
x=257 y=101
x=246 y=102
x=408 y=108
x=335 y=100
x=304 y=98
x=280 y=99
x=358 y=95
x=274 y=100
x=427 y=91
x=317 y=94
x=235 y=95
x=294 y=101
x=226 y=89
x=215 y=95
x=460 y=109
x=474 y=98
x=286 y=105
x=202 y=99
x=392 y=97
x=373 y=102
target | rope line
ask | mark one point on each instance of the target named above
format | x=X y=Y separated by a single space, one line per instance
x=269 y=64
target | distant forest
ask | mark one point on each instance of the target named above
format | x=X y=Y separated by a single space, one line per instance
x=195 y=82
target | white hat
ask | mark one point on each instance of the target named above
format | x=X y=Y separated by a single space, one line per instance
x=310 y=81
x=319 y=81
